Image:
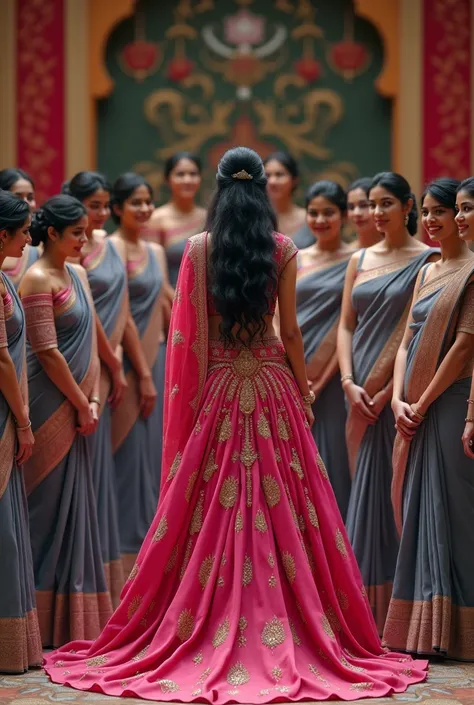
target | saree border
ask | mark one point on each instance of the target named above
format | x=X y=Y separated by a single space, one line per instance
x=365 y=275
x=7 y=453
x=304 y=272
x=425 y=363
x=198 y=256
x=20 y=643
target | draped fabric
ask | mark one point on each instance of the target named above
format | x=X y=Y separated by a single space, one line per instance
x=245 y=588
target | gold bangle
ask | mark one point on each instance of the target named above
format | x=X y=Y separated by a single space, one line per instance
x=23 y=428
x=344 y=378
x=309 y=399
x=468 y=419
x=94 y=400
x=417 y=414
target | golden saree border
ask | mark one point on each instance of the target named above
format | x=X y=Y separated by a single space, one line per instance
x=126 y=414
x=76 y=616
x=198 y=256
x=20 y=643
x=431 y=627
x=378 y=377
x=54 y=438
x=321 y=266
x=7 y=453
x=429 y=350
x=366 y=275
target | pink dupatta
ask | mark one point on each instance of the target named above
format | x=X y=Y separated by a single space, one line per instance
x=186 y=357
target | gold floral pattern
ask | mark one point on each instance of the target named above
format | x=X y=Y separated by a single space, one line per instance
x=327 y=627
x=263 y=427
x=161 y=529
x=198 y=514
x=333 y=619
x=282 y=428
x=247 y=397
x=205 y=674
x=260 y=522
x=290 y=566
x=341 y=544
x=211 y=466
x=190 y=486
x=292 y=506
x=271 y=490
x=247 y=572
x=97 y=661
x=175 y=466
x=133 y=573
x=221 y=634
x=187 y=556
x=141 y=654
x=362 y=686
x=172 y=559
x=220 y=581
x=225 y=431
x=277 y=673
x=322 y=467
x=198 y=659
x=229 y=492
x=356 y=669
x=168 y=686
x=294 y=635
x=277 y=455
x=205 y=570
x=272 y=581
x=312 y=515
x=174 y=391
x=177 y=338
x=185 y=625
x=295 y=464
x=239 y=522
x=242 y=639
x=343 y=599
x=133 y=605
x=273 y=633
x=271 y=560
x=238 y=674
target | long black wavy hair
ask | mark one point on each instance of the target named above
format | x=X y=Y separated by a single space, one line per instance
x=241 y=221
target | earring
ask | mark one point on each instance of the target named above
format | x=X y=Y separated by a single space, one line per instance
x=1 y=245
x=406 y=220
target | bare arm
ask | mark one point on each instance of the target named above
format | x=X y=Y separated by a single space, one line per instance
x=106 y=353
x=289 y=330
x=168 y=291
x=9 y=384
x=317 y=385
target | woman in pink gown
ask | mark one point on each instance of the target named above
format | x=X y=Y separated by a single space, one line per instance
x=245 y=588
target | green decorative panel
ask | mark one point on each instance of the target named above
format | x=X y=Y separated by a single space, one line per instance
x=205 y=75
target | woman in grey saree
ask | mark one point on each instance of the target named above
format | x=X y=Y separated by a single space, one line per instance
x=63 y=381
x=432 y=607
x=137 y=422
x=20 y=643
x=321 y=273
x=377 y=294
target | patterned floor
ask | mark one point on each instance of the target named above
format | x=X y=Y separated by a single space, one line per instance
x=449 y=684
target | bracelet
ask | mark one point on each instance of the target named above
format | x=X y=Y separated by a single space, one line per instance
x=417 y=414
x=309 y=399
x=23 y=428
x=344 y=378
x=94 y=400
x=468 y=419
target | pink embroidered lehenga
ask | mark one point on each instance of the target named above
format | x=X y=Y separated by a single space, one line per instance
x=245 y=588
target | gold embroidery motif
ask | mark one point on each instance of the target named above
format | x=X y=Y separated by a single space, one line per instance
x=271 y=490
x=277 y=673
x=271 y=560
x=356 y=669
x=187 y=556
x=174 y=391
x=272 y=582
x=174 y=467
x=301 y=523
x=263 y=427
x=260 y=523
x=294 y=635
x=168 y=686
x=177 y=338
x=282 y=428
x=198 y=659
x=277 y=455
x=317 y=673
x=312 y=515
x=134 y=604
x=221 y=634
x=296 y=464
x=223 y=560
x=333 y=620
x=340 y=543
x=191 y=482
x=246 y=364
x=242 y=639
x=140 y=654
x=161 y=530
x=225 y=431
x=235 y=456
x=205 y=570
x=292 y=506
x=185 y=626
x=273 y=633
x=247 y=572
x=322 y=467
x=229 y=492
x=342 y=599
x=196 y=692
x=238 y=675
x=239 y=522
x=133 y=573
x=264 y=692
x=172 y=559
x=205 y=674
x=233 y=691
x=197 y=428
x=144 y=619
x=97 y=661
x=247 y=398
x=327 y=627
x=362 y=686
x=289 y=566
x=197 y=518
x=301 y=613
x=248 y=457
x=282 y=688
x=211 y=466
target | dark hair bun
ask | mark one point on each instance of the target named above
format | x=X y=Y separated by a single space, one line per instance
x=59 y=212
x=14 y=211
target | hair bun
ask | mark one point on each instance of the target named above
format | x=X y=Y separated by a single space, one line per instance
x=66 y=188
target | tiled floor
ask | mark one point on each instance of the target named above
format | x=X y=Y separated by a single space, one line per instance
x=449 y=684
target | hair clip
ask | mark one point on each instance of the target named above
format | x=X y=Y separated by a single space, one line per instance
x=242 y=175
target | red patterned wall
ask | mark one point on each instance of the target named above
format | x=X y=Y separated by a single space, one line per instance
x=40 y=93
x=447 y=89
